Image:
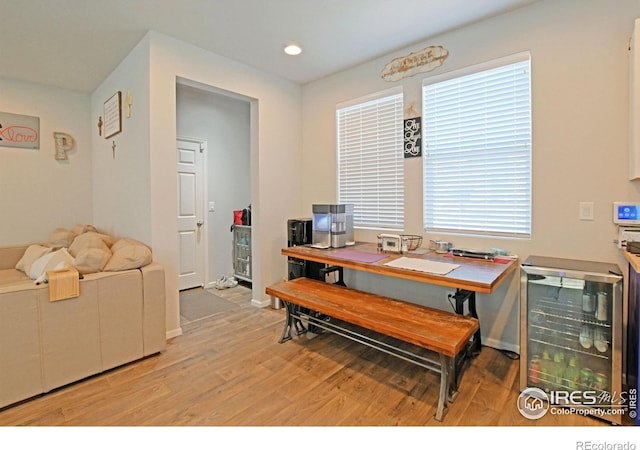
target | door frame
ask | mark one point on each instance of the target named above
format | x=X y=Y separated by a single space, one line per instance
x=205 y=226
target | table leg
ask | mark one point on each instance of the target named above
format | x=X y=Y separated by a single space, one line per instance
x=475 y=344
x=461 y=296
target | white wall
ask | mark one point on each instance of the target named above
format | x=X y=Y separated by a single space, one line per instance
x=224 y=122
x=121 y=183
x=580 y=137
x=275 y=161
x=37 y=192
x=135 y=193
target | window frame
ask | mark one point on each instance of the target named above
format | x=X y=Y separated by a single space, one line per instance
x=521 y=216
x=389 y=210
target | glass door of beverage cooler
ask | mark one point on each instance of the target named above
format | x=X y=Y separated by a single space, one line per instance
x=571 y=317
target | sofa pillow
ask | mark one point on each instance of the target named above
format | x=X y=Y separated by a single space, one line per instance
x=91 y=260
x=32 y=253
x=57 y=260
x=90 y=240
x=128 y=254
x=79 y=229
x=61 y=237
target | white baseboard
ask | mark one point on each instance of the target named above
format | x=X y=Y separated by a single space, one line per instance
x=260 y=303
x=173 y=333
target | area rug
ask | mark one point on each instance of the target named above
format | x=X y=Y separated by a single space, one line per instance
x=198 y=304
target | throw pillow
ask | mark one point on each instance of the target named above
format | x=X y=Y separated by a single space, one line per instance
x=79 y=229
x=91 y=260
x=51 y=261
x=90 y=240
x=32 y=253
x=60 y=237
x=128 y=254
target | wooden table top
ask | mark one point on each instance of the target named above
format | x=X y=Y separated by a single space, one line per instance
x=472 y=274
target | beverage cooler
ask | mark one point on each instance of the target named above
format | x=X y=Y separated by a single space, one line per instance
x=571 y=333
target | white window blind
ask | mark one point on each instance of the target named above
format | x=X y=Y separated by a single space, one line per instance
x=477 y=157
x=371 y=160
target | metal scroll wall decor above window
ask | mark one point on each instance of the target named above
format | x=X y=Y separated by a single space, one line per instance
x=424 y=60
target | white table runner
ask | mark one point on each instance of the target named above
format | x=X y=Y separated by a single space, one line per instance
x=422 y=265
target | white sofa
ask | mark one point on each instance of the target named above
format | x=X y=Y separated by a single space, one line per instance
x=118 y=317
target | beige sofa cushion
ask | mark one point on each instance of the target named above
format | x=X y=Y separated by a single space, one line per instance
x=32 y=253
x=92 y=260
x=9 y=276
x=89 y=240
x=79 y=229
x=128 y=254
x=91 y=251
x=61 y=238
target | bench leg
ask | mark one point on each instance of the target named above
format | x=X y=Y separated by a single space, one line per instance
x=291 y=321
x=452 y=391
x=445 y=369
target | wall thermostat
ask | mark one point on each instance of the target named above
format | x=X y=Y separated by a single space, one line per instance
x=626 y=213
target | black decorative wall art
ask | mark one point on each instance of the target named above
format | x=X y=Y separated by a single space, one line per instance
x=412 y=137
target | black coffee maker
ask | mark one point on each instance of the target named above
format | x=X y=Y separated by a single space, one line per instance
x=299 y=232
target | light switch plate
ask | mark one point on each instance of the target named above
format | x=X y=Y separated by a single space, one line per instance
x=212 y=206
x=586 y=211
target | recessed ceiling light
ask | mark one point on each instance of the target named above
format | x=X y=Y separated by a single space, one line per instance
x=292 y=50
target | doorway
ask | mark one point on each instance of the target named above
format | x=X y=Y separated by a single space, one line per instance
x=223 y=121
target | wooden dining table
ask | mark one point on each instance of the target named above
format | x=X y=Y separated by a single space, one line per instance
x=468 y=276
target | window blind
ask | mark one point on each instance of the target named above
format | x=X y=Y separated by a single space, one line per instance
x=477 y=156
x=371 y=160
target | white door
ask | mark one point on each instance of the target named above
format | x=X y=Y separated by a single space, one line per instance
x=190 y=213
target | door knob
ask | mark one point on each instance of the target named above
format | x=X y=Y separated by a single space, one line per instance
x=200 y=223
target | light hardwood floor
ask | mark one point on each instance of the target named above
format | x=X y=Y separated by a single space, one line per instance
x=229 y=370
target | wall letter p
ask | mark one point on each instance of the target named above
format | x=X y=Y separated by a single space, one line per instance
x=64 y=143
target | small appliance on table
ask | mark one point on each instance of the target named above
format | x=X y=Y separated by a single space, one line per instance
x=332 y=226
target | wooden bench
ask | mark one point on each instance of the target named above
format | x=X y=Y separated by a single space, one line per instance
x=444 y=333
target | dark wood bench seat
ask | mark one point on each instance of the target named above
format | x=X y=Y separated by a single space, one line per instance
x=442 y=332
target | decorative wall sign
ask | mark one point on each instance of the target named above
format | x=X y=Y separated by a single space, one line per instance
x=113 y=115
x=412 y=137
x=64 y=143
x=425 y=60
x=21 y=131
x=128 y=101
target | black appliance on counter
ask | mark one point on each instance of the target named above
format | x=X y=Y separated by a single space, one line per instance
x=299 y=232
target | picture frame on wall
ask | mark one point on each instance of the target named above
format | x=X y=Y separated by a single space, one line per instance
x=113 y=115
x=17 y=130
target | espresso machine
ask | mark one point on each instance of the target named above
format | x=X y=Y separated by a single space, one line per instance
x=321 y=228
x=332 y=226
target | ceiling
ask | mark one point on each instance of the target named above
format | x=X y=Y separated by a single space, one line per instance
x=75 y=44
